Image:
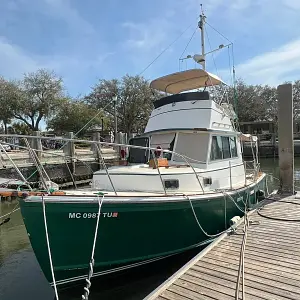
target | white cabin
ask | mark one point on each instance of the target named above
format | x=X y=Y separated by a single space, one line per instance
x=191 y=125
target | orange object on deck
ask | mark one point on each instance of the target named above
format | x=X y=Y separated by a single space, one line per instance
x=158 y=162
x=58 y=193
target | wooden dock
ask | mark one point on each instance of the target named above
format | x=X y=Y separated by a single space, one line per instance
x=271 y=259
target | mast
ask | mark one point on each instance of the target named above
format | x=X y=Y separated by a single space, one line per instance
x=201 y=26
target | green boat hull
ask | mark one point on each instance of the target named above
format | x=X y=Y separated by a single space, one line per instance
x=130 y=233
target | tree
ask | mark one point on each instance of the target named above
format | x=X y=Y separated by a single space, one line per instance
x=268 y=97
x=41 y=94
x=21 y=128
x=73 y=115
x=246 y=100
x=134 y=99
x=8 y=92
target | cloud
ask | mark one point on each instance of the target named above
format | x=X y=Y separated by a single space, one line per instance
x=273 y=67
x=57 y=34
x=14 y=61
x=145 y=36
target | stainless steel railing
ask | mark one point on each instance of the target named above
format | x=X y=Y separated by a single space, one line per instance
x=99 y=144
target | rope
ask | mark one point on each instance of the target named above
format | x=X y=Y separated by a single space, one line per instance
x=241 y=270
x=12 y=211
x=212 y=54
x=95 y=116
x=198 y=223
x=219 y=32
x=195 y=216
x=188 y=42
x=275 y=218
x=267 y=188
x=230 y=197
x=187 y=46
x=49 y=249
x=6 y=220
x=164 y=50
x=85 y=296
x=229 y=63
x=233 y=67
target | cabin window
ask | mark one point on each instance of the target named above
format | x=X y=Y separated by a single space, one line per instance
x=226 y=147
x=165 y=141
x=223 y=147
x=193 y=146
x=216 y=148
x=233 y=146
x=137 y=155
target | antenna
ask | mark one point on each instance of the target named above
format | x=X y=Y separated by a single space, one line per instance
x=198 y=59
x=201 y=58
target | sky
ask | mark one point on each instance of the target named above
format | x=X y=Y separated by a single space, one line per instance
x=84 y=41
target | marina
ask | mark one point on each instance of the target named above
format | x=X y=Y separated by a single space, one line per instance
x=183 y=209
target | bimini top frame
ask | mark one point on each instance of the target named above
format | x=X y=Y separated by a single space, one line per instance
x=185 y=81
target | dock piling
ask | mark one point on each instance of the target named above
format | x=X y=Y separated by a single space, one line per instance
x=285 y=138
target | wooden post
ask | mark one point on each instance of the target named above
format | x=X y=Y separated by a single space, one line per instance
x=69 y=150
x=37 y=144
x=273 y=141
x=94 y=147
x=285 y=138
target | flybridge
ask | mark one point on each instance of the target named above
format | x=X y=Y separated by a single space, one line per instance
x=185 y=112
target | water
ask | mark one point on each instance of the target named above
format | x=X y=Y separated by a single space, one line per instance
x=22 y=278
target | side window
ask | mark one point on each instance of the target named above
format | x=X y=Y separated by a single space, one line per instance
x=223 y=147
x=226 y=147
x=233 y=147
x=216 y=148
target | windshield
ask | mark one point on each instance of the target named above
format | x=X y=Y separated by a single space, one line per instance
x=139 y=156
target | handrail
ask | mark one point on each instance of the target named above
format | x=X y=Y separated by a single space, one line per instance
x=185 y=158
x=15 y=167
x=105 y=167
x=230 y=178
x=98 y=144
x=52 y=153
x=156 y=166
x=38 y=166
x=93 y=142
x=193 y=171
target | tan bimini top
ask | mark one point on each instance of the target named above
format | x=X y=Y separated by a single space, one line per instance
x=184 y=81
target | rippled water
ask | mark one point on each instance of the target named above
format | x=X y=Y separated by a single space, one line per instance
x=22 y=278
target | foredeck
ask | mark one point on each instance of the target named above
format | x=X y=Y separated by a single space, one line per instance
x=271 y=260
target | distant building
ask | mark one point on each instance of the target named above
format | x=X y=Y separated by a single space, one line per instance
x=257 y=127
x=265 y=129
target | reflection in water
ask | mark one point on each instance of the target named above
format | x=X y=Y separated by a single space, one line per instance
x=22 y=278
x=13 y=236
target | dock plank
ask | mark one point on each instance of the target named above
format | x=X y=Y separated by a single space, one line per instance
x=272 y=259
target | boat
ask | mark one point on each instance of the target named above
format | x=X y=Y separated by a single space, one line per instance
x=184 y=183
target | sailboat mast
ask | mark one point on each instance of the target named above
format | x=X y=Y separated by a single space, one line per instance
x=201 y=26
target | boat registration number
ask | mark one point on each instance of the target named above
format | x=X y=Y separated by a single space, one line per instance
x=79 y=215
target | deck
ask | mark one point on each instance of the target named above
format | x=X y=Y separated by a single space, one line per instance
x=271 y=259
